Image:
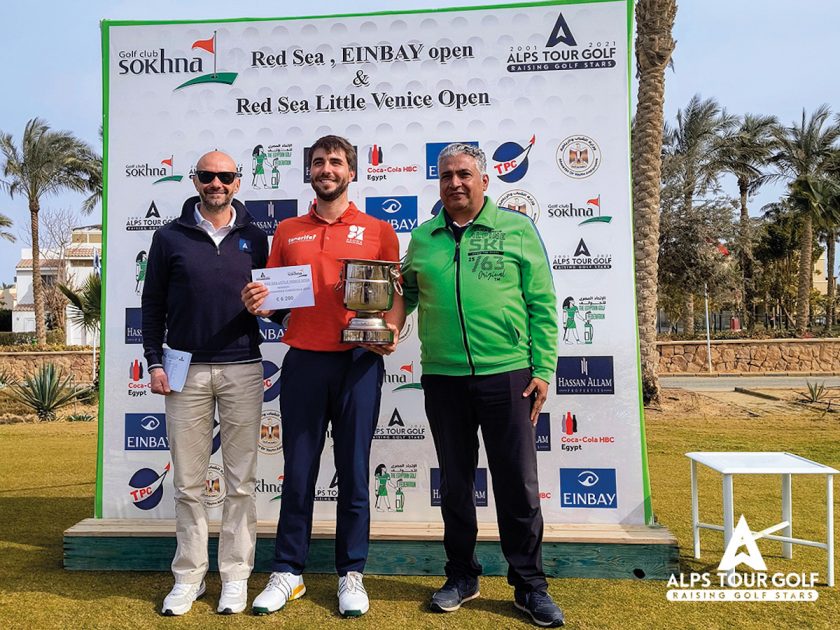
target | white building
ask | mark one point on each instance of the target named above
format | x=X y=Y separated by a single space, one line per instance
x=76 y=261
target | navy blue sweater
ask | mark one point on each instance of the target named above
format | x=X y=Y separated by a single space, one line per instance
x=192 y=290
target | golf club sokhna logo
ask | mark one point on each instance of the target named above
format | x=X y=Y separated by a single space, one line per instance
x=157 y=61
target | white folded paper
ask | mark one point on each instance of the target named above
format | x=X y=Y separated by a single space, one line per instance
x=176 y=364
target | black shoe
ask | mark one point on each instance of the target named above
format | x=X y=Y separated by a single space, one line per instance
x=539 y=605
x=455 y=592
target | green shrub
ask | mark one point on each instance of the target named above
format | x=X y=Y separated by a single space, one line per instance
x=54 y=338
x=46 y=391
x=88 y=395
x=80 y=417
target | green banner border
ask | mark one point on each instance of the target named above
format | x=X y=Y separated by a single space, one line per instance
x=100 y=441
x=106 y=25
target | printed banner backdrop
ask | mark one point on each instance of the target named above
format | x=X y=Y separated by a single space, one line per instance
x=542 y=88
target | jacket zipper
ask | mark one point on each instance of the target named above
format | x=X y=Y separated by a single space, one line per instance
x=460 y=306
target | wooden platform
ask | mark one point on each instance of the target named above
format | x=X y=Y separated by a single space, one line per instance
x=596 y=551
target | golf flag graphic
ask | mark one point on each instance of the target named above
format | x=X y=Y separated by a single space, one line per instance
x=209 y=45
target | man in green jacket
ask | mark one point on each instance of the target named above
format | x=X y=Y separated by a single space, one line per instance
x=480 y=279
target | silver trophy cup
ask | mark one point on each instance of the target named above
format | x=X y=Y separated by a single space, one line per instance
x=369 y=287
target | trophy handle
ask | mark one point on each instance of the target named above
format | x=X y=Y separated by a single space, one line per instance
x=340 y=283
x=395 y=280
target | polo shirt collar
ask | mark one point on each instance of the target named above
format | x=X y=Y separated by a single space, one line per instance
x=348 y=215
x=200 y=220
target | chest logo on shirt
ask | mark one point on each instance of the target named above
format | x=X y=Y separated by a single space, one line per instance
x=356 y=234
x=486 y=255
x=244 y=245
x=301 y=239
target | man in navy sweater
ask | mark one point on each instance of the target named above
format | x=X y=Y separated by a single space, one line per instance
x=196 y=269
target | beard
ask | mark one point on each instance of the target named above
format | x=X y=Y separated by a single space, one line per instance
x=340 y=188
x=215 y=204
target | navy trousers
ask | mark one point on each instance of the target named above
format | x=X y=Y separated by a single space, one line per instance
x=456 y=407
x=318 y=388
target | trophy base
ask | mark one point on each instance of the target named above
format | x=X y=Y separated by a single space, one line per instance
x=371 y=336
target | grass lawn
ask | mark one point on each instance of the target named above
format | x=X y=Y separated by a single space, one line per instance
x=47 y=476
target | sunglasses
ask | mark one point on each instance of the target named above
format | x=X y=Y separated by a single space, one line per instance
x=226 y=177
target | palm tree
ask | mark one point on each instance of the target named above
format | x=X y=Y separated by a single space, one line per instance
x=46 y=162
x=693 y=146
x=6 y=222
x=86 y=308
x=654 y=47
x=744 y=151
x=95 y=183
x=806 y=153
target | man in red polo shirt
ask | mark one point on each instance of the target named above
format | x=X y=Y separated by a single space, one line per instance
x=324 y=380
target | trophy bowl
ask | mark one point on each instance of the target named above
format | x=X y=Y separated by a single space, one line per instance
x=369 y=287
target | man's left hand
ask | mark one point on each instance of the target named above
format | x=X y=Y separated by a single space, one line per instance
x=537 y=388
x=384 y=350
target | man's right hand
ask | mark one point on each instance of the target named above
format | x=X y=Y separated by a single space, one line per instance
x=160 y=382
x=253 y=295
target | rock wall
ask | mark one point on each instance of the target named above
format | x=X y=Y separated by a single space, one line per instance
x=21 y=364
x=748 y=356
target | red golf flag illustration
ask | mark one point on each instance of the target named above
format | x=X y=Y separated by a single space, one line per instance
x=209 y=45
x=596 y=201
x=172 y=177
x=206 y=44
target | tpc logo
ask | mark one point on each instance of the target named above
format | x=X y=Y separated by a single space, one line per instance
x=433 y=150
x=267 y=213
x=588 y=488
x=133 y=325
x=511 y=160
x=145 y=432
x=543 y=432
x=400 y=212
x=480 y=486
x=146 y=487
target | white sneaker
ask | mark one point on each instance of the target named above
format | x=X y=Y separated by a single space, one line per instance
x=352 y=597
x=181 y=598
x=234 y=597
x=281 y=588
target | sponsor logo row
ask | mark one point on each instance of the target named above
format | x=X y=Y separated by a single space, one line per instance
x=579 y=487
x=147 y=432
x=578 y=156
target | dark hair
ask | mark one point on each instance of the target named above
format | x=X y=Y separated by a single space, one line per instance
x=379 y=470
x=333 y=143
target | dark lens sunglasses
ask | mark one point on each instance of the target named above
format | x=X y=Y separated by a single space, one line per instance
x=226 y=177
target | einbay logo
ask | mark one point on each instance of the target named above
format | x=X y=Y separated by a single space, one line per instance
x=730 y=586
x=158 y=61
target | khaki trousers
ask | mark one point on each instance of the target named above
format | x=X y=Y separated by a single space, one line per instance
x=237 y=389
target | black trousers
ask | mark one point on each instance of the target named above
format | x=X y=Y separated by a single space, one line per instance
x=456 y=407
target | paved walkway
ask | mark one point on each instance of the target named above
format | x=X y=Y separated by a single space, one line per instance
x=729 y=383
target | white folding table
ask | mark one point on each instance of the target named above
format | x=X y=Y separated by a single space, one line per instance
x=768 y=463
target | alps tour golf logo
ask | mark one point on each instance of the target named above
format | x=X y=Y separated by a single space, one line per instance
x=727 y=585
x=146 y=62
x=565 y=48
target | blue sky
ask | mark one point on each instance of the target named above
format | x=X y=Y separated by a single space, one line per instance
x=771 y=57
